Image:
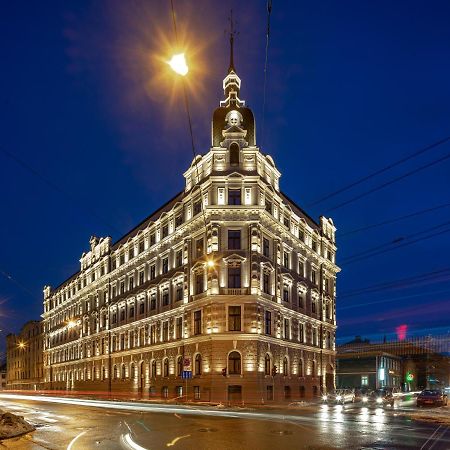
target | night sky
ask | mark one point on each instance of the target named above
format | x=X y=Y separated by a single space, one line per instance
x=94 y=135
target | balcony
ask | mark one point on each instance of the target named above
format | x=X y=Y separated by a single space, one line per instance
x=233 y=291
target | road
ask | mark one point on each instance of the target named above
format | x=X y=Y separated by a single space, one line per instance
x=73 y=424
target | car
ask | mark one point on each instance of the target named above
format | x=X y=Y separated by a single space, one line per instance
x=432 y=397
x=382 y=397
x=362 y=395
x=339 y=396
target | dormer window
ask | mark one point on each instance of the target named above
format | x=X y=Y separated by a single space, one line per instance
x=234 y=155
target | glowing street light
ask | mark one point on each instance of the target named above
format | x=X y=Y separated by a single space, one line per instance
x=21 y=344
x=178 y=64
x=71 y=324
x=210 y=263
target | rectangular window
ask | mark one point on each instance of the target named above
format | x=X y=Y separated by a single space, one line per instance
x=314 y=245
x=234 y=318
x=178 y=221
x=179 y=258
x=313 y=306
x=196 y=392
x=131 y=284
x=179 y=292
x=152 y=272
x=165 y=231
x=141 y=308
x=234 y=196
x=197 y=207
x=165 y=265
x=152 y=239
x=114 y=318
x=153 y=302
x=287 y=329
x=131 y=253
x=268 y=322
x=199 y=248
x=141 y=277
x=199 y=283
x=122 y=258
x=301 y=268
x=286 y=293
x=286 y=259
x=268 y=206
x=153 y=334
x=364 y=380
x=122 y=287
x=165 y=297
x=131 y=312
x=141 y=246
x=266 y=247
x=234 y=239
x=301 y=332
x=179 y=328
x=266 y=283
x=313 y=276
x=234 y=277
x=197 y=322
x=114 y=293
x=122 y=314
x=301 y=301
x=165 y=331
x=286 y=222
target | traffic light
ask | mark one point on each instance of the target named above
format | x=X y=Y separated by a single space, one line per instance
x=224 y=371
x=274 y=370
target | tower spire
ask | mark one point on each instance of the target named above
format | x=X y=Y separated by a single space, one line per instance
x=231 y=68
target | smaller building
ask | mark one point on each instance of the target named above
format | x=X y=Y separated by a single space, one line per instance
x=3 y=376
x=369 y=370
x=24 y=360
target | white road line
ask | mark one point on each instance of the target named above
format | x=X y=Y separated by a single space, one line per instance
x=431 y=437
x=69 y=447
x=438 y=438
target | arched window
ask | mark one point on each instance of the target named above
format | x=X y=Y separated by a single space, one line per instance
x=300 y=368
x=267 y=364
x=153 y=369
x=180 y=366
x=234 y=363
x=198 y=364
x=124 y=372
x=285 y=366
x=234 y=154
x=166 y=367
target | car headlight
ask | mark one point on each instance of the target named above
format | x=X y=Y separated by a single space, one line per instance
x=379 y=400
x=339 y=397
x=365 y=399
x=324 y=397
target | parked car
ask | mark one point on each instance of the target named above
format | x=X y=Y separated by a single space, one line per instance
x=382 y=397
x=339 y=396
x=431 y=397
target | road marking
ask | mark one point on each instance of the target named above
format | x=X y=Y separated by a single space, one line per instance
x=142 y=424
x=177 y=416
x=173 y=442
x=69 y=447
x=438 y=438
x=127 y=440
x=431 y=437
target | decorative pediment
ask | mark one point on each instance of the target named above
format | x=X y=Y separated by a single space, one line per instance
x=315 y=294
x=287 y=278
x=234 y=259
x=267 y=266
x=199 y=266
x=302 y=287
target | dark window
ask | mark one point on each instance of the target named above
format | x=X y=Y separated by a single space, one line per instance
x=197 y=322
x=268 y=320
x=179 y=327
x=153 y=302
x=141 y=308
x=266 y=247
x=234 y=277
x=313 y=306
x=165 y=331
x=268 y=206
x=122 y=314
x=165 y=231
x=234 y=196
x=287 y=392
x=114 y=293
x=286 y=293
x=131 y=284
x=266 y=283
x=166 y=374
x=234 y=239
x=114 y=318
x=196 y=392
x=141 y=277
x=165 y=297
x=179 y=258
x=286 y=222
x=122 y=258
x=267 y=365
x=199 y=248
x=179 y=292
x=197 y=207
x=141 y=245
x=198 y=364
x=153 y=337
x=179 y=366
x=301 y=235
x=234 y=363
x=122 y=287
x=234 y=154
x=301 y=301
x=301 y=332
x=178 y=220
x=234 y=318
x=132 y=311
x=301 y=268
x=152 y=272
x=286 y=260
x=199 y=283
x=314 y=245
x=152 y=239
x=131 y=253
x=287 y=331
x=313 y=276
x=165 y=265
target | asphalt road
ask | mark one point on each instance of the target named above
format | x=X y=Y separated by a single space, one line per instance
x=84 y=424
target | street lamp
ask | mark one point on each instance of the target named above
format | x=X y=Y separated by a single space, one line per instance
x=21 y=345
x=178 y=64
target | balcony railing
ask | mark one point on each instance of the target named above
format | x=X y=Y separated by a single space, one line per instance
x=233 y=291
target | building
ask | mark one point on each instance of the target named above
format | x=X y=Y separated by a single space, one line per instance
x=410 y=364
x=3 y=376
x=225 y=294
x=24 y=357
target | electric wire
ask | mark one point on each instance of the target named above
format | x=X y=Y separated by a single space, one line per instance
x=389 y=221
x=269 y=11
x=388 y=183
x=382 y=170
x=408 y=281
x=10 y=278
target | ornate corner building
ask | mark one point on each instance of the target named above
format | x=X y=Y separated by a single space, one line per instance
x=224 y=294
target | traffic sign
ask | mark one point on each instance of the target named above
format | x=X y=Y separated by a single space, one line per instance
x=186 y=374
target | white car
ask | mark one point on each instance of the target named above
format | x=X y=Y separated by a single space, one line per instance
x=339 y=396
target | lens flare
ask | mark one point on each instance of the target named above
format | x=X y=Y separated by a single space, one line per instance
x=178 y=64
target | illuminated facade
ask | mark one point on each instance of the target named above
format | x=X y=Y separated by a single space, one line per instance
x=229 y=282
x=24 y=357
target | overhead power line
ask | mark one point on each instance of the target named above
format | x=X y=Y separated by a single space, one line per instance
x=389 y=221
x=388 y=183
x=382 y=170
x=408 y=282
x=269 y=11
x=10 y=278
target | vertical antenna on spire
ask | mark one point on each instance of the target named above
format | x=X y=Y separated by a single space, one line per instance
x=232 y=34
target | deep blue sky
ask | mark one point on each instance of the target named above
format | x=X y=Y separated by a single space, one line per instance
x=352 y=86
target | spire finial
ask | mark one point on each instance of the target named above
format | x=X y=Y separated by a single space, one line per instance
x=232 y=34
